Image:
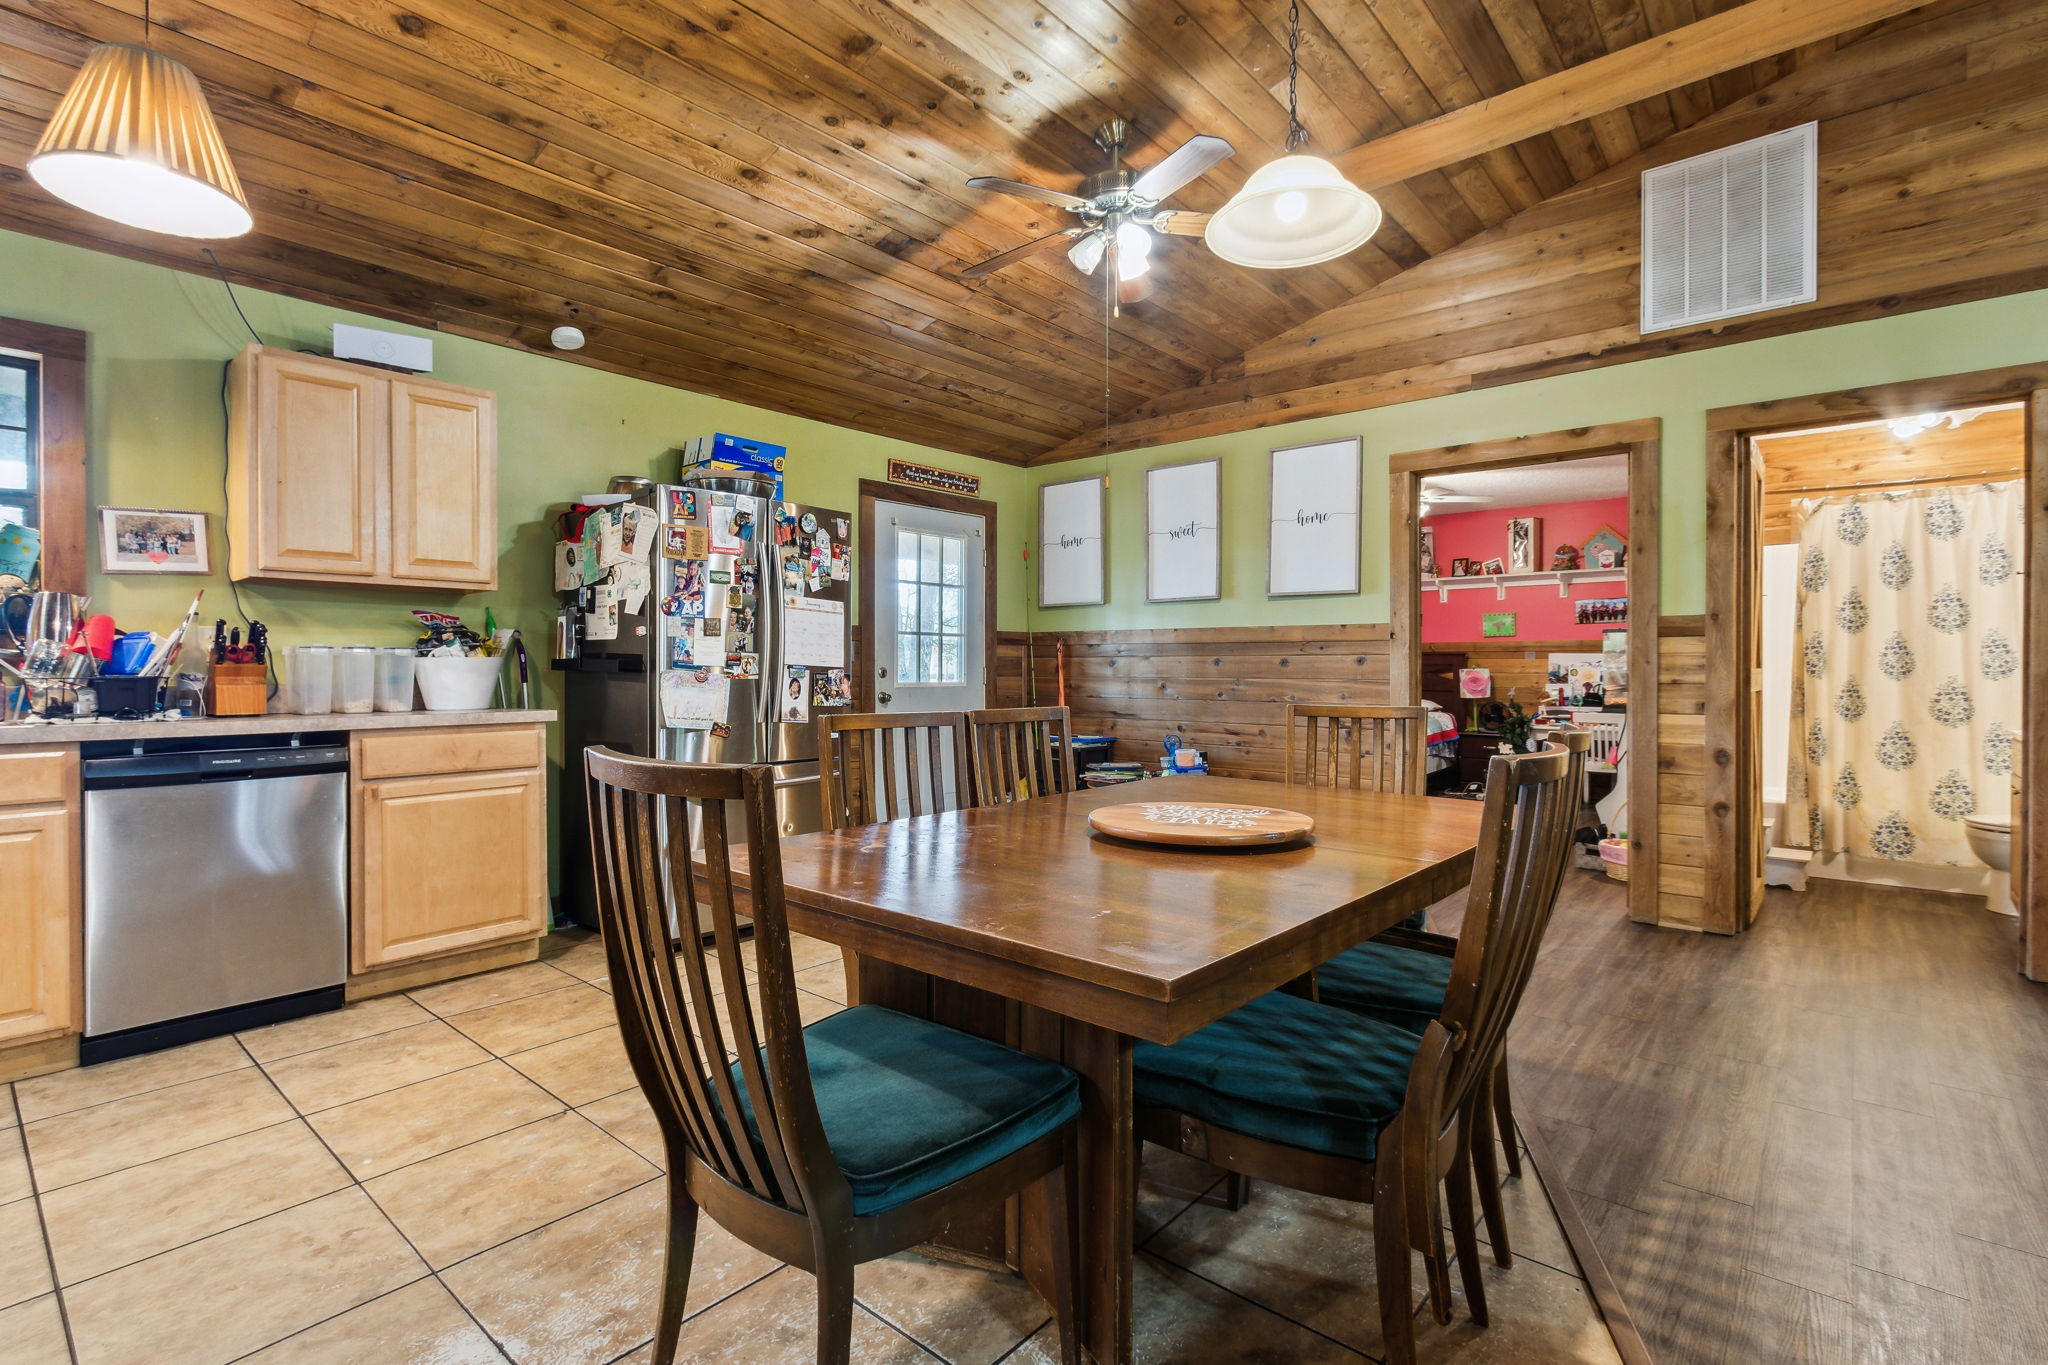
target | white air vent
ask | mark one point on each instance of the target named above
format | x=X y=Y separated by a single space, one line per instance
x=1730 y=232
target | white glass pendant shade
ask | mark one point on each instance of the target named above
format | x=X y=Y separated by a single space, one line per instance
x=1133 y=251
x=134 y=141
x=1295 y=211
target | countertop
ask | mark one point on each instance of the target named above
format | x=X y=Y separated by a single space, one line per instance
x=81 y=731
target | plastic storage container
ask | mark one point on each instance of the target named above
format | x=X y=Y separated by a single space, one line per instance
x=355 y=679
x=309 y=680
x=451 y=683
x=394 y=678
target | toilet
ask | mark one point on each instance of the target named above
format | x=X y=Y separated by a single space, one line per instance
x=1991 y=841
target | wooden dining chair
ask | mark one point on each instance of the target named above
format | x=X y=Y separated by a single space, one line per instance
x=876 y=766
x=1402 y=975
x=1366 y=748
x=866 y=1133
x=1021 y=752
x=1290 y=1090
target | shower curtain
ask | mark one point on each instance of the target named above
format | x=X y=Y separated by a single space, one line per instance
x=1906 y=698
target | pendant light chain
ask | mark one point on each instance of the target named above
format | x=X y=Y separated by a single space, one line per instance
x=1297 y=135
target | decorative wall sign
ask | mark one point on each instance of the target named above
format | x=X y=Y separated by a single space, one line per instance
x=1183 y=532
x=1497 y=624
x=936 y=479
x=1606 y=548
x=1073 y=553
x=1312 y=520
x=1525 y=544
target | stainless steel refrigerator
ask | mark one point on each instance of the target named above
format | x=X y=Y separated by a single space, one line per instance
x=797 y=561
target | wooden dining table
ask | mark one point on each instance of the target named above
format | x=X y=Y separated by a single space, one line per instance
x=1018 y=922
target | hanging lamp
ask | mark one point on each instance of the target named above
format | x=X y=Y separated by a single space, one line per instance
x=134 y=141
x=1299 y=209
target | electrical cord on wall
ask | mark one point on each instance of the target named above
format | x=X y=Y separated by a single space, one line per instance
x=228 y=285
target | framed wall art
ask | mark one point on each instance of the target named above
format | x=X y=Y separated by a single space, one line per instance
x=1312 y=515
x=1525 y=544
x=1183 y=532
x=144 y=540
x=1073 y=552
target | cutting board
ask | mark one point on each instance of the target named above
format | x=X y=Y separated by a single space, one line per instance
x=1201 y=824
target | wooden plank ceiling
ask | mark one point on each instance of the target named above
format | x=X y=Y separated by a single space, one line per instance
x=766 y=201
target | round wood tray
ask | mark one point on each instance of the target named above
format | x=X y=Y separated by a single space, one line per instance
x=1201 y=824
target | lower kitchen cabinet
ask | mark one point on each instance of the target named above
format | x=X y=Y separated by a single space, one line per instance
x=446 y=862
x=39 y=936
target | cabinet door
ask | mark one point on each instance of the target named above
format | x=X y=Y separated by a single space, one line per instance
x=444 y=486
x=317 y=455
x=38 y=922
x=448 y=862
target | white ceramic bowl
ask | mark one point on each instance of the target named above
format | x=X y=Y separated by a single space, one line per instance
x=457 y=684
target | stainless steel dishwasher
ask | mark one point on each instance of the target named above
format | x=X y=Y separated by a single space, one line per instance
x=216 y=887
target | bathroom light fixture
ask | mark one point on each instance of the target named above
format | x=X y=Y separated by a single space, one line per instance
x=1297 y=210
x=134 y=141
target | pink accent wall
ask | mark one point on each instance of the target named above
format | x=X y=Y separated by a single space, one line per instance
x=1540 y=613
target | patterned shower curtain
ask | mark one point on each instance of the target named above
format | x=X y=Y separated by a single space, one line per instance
x=1907 y=701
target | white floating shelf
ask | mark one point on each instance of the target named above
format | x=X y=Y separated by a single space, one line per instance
x=1564 y=579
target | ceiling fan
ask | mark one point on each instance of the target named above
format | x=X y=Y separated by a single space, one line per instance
x=1444 y=497
x=1119 y=210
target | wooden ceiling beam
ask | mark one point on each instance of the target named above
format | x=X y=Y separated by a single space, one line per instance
x=1699 y=51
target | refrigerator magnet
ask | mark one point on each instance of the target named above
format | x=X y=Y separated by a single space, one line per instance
x=743 y=665
x=568 y=566
x=831 y=687
x=685 y=542
x=711 y=628
x=637 y=527
x=682 y=504
x=808 y=522
x=796 y=695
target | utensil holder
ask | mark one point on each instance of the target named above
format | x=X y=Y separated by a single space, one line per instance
x=238 y=690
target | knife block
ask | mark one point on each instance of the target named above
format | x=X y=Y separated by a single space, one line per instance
x=238 y=690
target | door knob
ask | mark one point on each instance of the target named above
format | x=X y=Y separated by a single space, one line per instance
x=883 y=698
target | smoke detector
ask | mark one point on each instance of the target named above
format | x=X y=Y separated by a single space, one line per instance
x=566 y=338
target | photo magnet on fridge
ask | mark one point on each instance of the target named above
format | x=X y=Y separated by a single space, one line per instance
x=796 y=695
x=685 y=542
x=743 y=665
x=831 y=687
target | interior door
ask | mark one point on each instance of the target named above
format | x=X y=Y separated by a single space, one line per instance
x=930 y=630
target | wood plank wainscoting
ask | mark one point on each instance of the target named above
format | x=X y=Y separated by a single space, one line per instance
x=1679 y=843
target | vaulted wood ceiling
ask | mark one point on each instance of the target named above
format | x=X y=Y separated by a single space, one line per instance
x=766 y=200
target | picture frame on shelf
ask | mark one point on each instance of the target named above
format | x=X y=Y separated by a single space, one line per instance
x=1606 y=548
x=147 y=540
x=1525 y=544
x=1461 y=567
x=1495 y=566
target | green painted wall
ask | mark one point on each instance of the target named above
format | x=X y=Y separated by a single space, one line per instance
x=1680 y=389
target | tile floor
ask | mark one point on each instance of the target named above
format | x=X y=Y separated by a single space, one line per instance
x=467 y=1174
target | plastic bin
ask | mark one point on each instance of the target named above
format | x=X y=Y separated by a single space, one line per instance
x=355 y=679
x=394 y=678
x=309 y=680
x=452 y=683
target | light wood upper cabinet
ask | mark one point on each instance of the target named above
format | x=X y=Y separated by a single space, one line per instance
x=347 y=474
x=39 y=912
x=450 y=860
x=444 y=483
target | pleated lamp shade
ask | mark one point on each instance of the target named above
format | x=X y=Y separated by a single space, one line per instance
x=134 y=141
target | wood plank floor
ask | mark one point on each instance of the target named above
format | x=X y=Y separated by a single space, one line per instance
x=1822 y=1141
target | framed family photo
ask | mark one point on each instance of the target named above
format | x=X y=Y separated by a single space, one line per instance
x=145 y=540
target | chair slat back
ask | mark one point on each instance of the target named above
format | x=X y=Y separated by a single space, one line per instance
x=680 y=1029
x=877 y=766
x=1015 y=755
x=1532 y=805
x=1367 y=748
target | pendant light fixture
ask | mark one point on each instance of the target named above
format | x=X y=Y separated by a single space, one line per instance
x=1299 y=209
x=134 y=141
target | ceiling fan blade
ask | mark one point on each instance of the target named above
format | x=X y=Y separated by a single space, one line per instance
x=1180 y=223
x=1429 y=495
x=998 y=261
x=1182 y=164
x=1086 y=254
x=1057 y=198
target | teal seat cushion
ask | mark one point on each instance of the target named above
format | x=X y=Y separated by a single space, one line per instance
x=1287 y=1070
x=1404 y=986
x=911 y=1106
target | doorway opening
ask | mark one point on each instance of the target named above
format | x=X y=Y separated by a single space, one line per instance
x=1559 y=557
x=1872 y=628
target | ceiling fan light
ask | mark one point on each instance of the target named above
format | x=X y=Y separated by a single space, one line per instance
x=134 y=141
x=1294 y=211
x=1133 y=251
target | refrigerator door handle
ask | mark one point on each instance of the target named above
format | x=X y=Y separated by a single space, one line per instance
x=768 y=624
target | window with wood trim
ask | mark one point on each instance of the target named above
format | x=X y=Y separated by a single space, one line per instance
x=42 y=444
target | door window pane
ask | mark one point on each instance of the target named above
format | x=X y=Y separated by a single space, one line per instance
x=930 y=607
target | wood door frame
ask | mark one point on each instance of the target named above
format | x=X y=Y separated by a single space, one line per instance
x=1732 y=811
x=1640 y=441
x=880 y=490
x=60 y=449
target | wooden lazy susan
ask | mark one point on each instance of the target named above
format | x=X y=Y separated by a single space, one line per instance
x=1201 y=824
